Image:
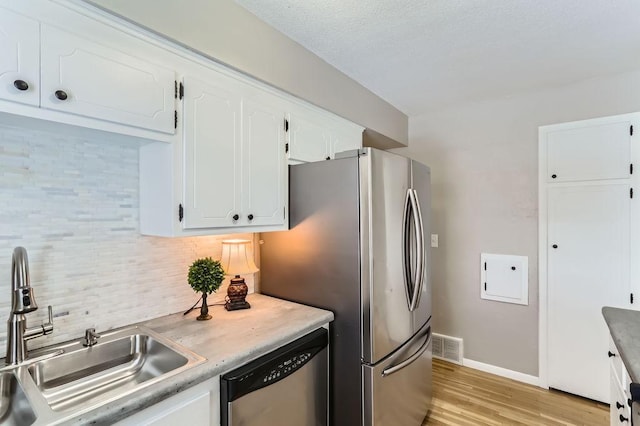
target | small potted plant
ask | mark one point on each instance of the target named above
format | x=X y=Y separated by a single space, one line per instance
x=205 y=276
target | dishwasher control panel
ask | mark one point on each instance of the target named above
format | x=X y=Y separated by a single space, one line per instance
x=286 y=367
x=273 y=367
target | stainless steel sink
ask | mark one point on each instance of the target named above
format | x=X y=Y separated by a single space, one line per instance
x=120 y=363
x=15 y=408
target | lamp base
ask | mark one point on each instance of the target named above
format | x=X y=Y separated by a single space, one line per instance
x=234 y=306
x=236 y=293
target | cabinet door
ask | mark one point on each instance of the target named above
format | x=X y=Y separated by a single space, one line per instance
x=619 y=410
x=86 y=78
x=196 y=406
x=211 y=153
x=345 y=140
x=309 y=140
x=588 y=267
x=263 y=163
x=598 y=151
x=19 y=58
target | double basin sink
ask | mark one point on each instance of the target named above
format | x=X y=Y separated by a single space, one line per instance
x=60 y=382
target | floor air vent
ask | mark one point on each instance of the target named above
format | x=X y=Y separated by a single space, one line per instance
x=447 y=348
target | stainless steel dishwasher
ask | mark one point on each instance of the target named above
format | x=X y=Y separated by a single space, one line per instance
x=287 y=387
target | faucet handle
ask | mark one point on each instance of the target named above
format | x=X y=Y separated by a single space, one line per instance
x=90 y=337
x=47 y=328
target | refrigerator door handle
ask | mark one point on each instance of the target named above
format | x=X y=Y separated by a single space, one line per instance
x=419 y=237
x=411 y=359
x=406 y=266
x=421 y=250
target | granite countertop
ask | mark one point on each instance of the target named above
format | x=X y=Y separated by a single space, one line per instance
x=228 y=340
x=624 y=325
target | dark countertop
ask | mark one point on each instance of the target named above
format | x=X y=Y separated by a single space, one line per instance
x=624 y=326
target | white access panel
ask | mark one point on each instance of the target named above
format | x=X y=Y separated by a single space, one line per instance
x=589 y=152
x=504 y=278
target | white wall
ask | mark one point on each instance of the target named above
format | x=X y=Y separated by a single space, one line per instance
x=483 y=157
x=73 y=204
x=223 y=30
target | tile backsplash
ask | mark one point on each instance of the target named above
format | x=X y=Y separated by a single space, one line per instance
x=72 y=202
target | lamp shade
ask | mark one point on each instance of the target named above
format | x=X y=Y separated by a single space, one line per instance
x=236 y=259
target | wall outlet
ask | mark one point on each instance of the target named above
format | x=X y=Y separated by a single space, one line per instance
x=434 y=240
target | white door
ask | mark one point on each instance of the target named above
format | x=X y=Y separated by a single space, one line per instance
x=309 y=139
x=19 y=58
x=211 y=154
x=263 y=164
x=86 y=78
x=589 y=152
x=588 y=268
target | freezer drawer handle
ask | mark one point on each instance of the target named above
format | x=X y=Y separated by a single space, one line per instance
x=418 y=354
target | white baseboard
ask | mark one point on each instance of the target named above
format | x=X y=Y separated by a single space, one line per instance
x=503 y=372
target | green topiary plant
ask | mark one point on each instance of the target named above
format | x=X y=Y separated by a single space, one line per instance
x=205 y=276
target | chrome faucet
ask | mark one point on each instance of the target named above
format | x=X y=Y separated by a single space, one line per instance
x=22 y=302
x=90 y=337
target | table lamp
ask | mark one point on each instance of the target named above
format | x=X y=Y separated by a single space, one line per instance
x=235 y=261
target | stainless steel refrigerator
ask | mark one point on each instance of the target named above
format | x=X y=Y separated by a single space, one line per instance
x=357 y=246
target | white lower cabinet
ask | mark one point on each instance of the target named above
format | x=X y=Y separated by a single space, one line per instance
x=196 y=406
x=620 y=402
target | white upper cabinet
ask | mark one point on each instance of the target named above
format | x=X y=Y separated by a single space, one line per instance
x=19 y=58
x=87 y=78
x=316 y=135
x=264 y=163
x=211 y=153
x=599 y=151
x=234 y=160
x=217 y=143
x=229 y=172
x=309 y=139
x=345 y=137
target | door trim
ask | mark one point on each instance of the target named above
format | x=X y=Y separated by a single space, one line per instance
x=543 y=378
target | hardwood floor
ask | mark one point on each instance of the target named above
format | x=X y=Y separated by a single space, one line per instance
x=466 y=397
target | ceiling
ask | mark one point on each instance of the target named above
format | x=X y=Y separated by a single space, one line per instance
x=419 y=54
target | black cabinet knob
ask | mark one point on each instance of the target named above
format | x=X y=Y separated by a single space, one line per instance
x=554 y=176
x=623 y=418
x=236 y=217
x=611 y=354
x=61 y=95
x=619 y=406
x=21 y=85
x=250 y=217
x=555 y=246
